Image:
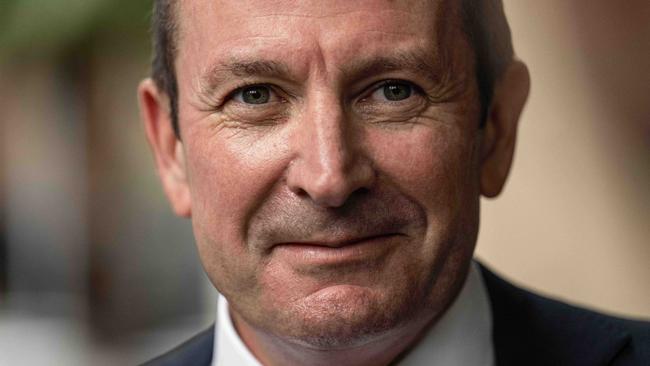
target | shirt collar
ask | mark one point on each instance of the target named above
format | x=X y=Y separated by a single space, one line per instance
x=229 y=349
x=462 y=336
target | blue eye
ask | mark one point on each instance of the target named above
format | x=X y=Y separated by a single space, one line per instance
x=393 y=91
x=396 y=91
x=256 y=94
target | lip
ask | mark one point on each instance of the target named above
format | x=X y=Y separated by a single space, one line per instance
x=335 y=252
x=338 y=243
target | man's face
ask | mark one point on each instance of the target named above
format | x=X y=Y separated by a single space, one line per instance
x=330 y=151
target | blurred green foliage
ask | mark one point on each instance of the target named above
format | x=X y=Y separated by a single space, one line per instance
x=45 y=28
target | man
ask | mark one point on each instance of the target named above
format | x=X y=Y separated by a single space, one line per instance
x=331 y=156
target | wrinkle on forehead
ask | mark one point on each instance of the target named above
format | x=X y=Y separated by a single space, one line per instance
x=318 y=9
x=327 y=44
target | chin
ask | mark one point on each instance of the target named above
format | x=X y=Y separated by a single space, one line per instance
x=344 y=316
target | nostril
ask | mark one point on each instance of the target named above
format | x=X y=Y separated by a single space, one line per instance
x=330 y=187
x=300 y=192
x=361 y=191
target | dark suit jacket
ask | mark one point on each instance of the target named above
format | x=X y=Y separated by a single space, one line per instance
x=528 y=329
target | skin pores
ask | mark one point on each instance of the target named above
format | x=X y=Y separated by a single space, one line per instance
x=331 y=155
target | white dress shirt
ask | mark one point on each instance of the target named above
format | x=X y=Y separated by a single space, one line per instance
x=461 y=337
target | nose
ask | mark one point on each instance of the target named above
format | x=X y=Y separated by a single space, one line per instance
x=328 y=166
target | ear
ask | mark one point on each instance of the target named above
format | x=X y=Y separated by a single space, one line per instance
x=500 y=131
x=166 y=147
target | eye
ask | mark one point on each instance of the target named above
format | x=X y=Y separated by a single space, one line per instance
x=393 y=91
x=254 y=94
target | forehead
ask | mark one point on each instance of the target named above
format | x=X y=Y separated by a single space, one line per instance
x=300 y=33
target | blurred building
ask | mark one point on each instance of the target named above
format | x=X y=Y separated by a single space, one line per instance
x=573 y=219
x=90 y=249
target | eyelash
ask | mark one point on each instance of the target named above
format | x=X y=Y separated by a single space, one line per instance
x=365 y=94
x=383 y=83
x=245 y=85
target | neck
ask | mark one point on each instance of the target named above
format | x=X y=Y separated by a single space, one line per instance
x=271 y=350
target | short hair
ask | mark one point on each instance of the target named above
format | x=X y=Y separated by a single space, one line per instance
x=484 y=23
x=164 y=29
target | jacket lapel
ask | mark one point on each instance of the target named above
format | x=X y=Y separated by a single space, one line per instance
x=532 y=330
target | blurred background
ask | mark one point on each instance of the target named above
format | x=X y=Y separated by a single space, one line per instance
x=95 y=269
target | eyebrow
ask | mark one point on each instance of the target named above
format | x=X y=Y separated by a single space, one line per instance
x=241 y=68
x=416 y=61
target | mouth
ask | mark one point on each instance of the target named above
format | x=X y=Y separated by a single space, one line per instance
x=345 y=251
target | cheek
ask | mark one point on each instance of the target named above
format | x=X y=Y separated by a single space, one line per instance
x=436 y=168
x=228 y=179
x=432 y=165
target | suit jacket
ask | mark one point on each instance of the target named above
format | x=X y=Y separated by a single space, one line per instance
x=528 y=329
